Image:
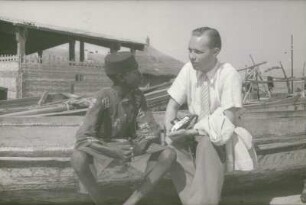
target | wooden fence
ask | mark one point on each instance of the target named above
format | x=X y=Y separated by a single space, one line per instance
x=9 y=58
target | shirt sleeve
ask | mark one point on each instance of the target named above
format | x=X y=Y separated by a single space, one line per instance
x=232 y=91
x=93 y=119
x=178 y=89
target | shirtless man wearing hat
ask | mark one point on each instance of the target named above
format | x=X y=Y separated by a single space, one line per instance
x=108 y=134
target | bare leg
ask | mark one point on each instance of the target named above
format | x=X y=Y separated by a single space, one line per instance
x=164 y=163
x=80 y=162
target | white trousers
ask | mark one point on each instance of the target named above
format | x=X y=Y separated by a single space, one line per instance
x=198 y=181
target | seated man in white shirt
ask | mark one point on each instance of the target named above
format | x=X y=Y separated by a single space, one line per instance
x=204 y=84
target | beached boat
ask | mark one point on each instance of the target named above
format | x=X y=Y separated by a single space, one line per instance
x=35 y=168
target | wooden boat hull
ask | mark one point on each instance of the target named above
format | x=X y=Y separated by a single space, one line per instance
x=35 y=167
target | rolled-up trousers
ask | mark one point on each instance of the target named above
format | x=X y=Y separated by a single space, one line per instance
x=198 y=180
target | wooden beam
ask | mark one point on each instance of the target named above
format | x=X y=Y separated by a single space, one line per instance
x=251 y=67
x=39 y=40
x=277 y=81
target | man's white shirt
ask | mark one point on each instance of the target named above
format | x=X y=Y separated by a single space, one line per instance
x=224 y=87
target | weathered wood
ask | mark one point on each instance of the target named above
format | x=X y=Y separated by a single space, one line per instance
x=77 y=112
x=18 y=102
x=56 y=175
x=273 y=102
x=17 y=175
x=55 y=108
x=28 y=121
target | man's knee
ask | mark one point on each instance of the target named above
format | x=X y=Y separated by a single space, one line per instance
x=79 y=161
x=204 y=142
x=168 y=155
x=204 y=146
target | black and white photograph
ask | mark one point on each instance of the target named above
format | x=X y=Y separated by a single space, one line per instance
x=144 y=102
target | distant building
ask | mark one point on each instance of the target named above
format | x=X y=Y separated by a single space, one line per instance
x=24 y=74
x=29 y=68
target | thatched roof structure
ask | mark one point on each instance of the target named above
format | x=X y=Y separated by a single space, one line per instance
x=153 y=62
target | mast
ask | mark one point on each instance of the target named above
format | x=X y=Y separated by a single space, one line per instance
x=291 y=63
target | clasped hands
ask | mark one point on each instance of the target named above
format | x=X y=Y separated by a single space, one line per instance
x=126 y=151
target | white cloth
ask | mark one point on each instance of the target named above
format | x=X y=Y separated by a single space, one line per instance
x=240 y=150
x=225 y=86
x=245 y=158
x=217 y=126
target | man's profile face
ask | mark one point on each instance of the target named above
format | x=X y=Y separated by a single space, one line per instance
x=202 y=57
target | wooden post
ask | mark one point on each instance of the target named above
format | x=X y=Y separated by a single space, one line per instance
x=256 y=76
x=82 y=52
x=40 y=52
x=21 y=38
x=304 y=77
x=292 y=63
x=72 y=50
x=287 y=80
x=133 y=51
x=72 y=87
x=114 y=47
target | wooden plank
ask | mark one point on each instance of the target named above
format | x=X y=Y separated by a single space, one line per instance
x=54 y=176
x=18 y=102
x=281 y=147
x=34 y=122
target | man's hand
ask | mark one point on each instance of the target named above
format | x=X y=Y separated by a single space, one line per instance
x=171 y=111
x=177 y=134
x=140 y=147
x=181 y=134
x=123 y=152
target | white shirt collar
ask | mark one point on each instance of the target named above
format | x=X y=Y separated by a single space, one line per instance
x=210 y=74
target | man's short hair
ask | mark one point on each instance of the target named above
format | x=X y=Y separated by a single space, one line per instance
x=214 y=36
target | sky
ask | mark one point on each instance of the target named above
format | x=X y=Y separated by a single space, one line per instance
x=259 y=28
